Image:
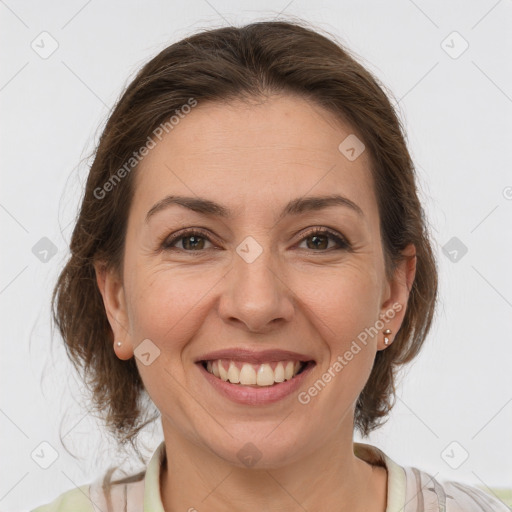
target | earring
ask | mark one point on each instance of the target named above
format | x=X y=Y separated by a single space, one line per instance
x=386 y=339
x=118 y=343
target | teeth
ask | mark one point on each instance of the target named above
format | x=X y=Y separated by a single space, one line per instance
x=279 y=373
x=247 y=374
x=288 y=371
x=233 y=373
x=222 y=371
x=265 y=376
x=215 y=368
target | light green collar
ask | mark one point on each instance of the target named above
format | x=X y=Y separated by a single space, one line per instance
x=366 y=452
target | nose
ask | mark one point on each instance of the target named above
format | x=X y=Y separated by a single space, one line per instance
x=256 y=294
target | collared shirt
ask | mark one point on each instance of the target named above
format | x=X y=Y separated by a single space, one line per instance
x=408 y=490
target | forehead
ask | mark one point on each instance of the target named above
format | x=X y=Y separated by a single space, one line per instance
x=249 y=156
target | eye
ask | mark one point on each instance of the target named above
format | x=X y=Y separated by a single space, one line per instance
x=193 y=240
x=320 y=240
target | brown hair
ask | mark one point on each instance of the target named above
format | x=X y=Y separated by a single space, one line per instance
x=220 y=65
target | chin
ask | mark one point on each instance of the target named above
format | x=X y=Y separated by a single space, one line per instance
x=260 y=445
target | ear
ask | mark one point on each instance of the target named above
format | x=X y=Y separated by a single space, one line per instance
x=396 y=297
x=112 y=291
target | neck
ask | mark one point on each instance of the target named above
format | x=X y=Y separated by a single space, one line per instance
x=332 y=477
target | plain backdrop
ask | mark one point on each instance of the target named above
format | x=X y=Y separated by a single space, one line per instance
x=446 y=65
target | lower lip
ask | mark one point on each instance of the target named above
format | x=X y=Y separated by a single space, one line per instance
x=256 y=395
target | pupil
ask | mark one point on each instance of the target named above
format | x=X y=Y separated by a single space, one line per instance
x=316 y=238
x=194 y=242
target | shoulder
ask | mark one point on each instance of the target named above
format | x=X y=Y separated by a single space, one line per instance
x=75 y=499
x=130 y=493
x=425 y=492
x=94 y=498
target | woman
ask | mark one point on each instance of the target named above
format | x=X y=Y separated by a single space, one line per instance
x=251 y=254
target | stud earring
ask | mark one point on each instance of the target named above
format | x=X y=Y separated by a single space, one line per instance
x=118 y=343
x=386 y=339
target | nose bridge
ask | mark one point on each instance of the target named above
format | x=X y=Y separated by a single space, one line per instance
x=256 y=295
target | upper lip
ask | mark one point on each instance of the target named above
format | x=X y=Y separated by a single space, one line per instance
x=253 y=356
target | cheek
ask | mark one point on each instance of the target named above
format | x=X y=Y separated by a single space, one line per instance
x=166 y=305
x=344 y=308
x=344 y=302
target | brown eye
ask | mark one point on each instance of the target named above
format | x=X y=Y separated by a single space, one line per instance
x=191 y=241
x=194 y=242
x=318 y=240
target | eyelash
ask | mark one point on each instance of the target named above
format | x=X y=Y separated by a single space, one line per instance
x=342 y=242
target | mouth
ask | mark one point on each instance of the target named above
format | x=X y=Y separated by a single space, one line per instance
x=266 y=374
x=255 y=378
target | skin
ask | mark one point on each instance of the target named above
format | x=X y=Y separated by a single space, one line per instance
x=254 y=158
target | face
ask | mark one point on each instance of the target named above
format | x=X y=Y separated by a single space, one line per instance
x=258 y=287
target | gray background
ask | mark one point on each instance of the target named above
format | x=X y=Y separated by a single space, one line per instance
x=454 y=401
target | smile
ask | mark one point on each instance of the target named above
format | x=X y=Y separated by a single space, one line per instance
x=254 y=378
x=248 y=374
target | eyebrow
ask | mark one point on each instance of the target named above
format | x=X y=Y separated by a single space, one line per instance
x=294 y=207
